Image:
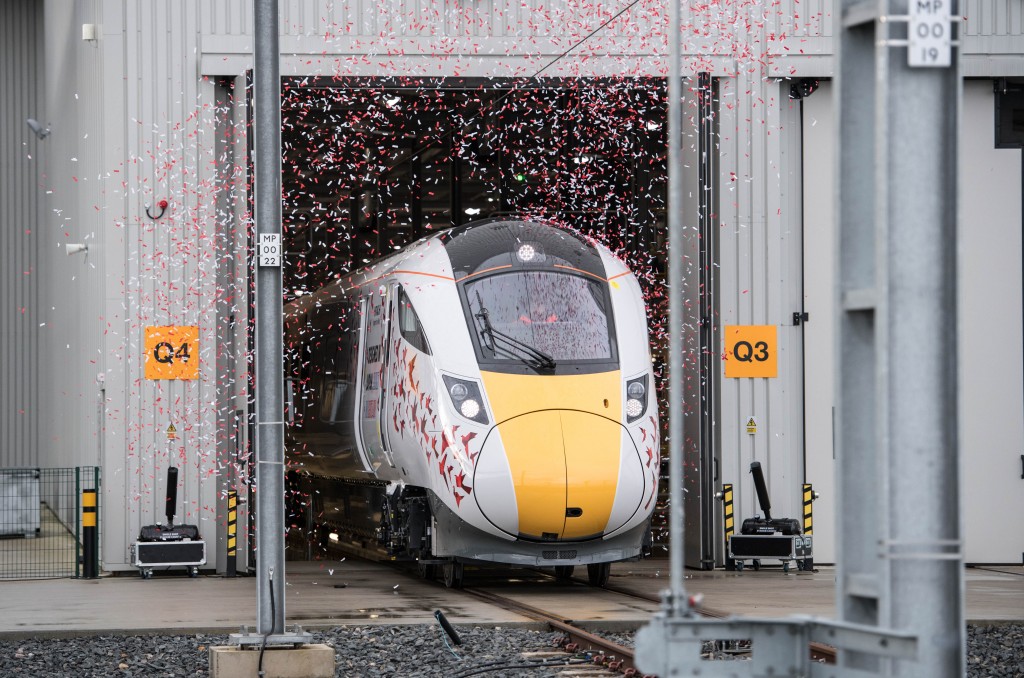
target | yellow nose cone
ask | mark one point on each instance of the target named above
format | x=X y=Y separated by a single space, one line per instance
x=565 y=469
x=563 y=447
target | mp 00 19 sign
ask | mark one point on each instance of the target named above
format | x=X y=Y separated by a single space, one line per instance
x=750 y=351
x=172 y=352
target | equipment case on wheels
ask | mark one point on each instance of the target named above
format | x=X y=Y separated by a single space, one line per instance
x=169 y=545
x=762 y=538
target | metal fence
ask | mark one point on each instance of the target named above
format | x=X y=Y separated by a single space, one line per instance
x=41 y=535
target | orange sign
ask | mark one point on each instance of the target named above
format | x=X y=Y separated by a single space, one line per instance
x=750 y=351
x=172 y=352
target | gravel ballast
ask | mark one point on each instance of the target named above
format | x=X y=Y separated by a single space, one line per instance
x=992 y=652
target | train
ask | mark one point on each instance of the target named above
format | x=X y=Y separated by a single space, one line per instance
x=484 y=395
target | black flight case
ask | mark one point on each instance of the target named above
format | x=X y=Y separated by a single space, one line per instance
x=169 y=545
x=762 y=538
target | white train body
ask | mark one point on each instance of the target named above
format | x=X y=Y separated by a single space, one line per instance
x=500 y=371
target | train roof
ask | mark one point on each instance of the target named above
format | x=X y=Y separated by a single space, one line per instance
x=517 y=243
x=472 y=249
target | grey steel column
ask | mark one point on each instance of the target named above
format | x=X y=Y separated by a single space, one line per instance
x=707 y=238
x=269 y=342
x=676 y=245
x=900 y=556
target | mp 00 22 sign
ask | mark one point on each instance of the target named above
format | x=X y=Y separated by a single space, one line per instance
x=172 y=352
x=750 y=351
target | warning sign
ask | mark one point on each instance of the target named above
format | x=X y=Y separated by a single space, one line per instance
x=172 y=433
x=751 y=425
x=172 y=352
x=750 y=351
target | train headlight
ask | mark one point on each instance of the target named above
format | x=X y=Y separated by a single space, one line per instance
x=636 y=390
x=530 y=253
x=636 y=398
x=466 y=398
x=469 y=408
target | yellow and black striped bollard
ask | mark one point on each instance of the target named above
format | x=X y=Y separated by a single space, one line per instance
x=90 y=536
x=728 y=523
x=808 y=563
x=808 y=513
x=232 y=532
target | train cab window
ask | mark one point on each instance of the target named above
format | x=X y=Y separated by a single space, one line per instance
x=541 y=317
x=409 y=324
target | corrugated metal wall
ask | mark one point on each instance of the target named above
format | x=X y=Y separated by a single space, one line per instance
x=761 y=284
x=133 y=124
x=169 y=264
x=993 y=18
x=21 y=171
x=382 y=19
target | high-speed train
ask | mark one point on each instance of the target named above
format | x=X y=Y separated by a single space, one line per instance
x=485 y=394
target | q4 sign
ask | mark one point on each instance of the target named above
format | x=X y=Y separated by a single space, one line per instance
x=172 y=352
x=750 y=351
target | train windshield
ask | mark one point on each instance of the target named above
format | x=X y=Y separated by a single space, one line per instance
x=540 y=319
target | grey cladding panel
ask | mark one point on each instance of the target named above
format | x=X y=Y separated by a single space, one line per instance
x=20 y=276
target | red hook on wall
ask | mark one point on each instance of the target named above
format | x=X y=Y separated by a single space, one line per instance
x=162 y=204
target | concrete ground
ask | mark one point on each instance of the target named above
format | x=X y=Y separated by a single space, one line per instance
x=353 y=591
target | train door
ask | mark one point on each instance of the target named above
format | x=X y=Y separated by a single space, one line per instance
x=374 y=339
x=386 y=377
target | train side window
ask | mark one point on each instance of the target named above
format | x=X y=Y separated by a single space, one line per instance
x=409 y=323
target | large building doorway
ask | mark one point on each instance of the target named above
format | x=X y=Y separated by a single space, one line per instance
x=370 y=165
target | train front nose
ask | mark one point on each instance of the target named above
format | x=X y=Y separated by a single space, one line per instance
x=559 y=475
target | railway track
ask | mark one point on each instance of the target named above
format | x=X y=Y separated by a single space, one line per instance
x=605 y=652
x=611 y=654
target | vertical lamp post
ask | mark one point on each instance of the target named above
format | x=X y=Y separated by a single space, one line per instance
x=676 y=603
x=269 y=343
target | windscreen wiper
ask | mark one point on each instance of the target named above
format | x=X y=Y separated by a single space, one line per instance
x=535 y=357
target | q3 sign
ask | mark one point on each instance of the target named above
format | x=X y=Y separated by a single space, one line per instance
x=172 y=352
x=750 y=351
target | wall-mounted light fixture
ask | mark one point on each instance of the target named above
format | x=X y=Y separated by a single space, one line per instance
x=38 y=129
x=75 y=248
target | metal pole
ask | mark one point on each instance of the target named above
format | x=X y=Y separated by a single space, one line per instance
x=269 y=343
x=78 y=528
x=898 y=477
x=676 y=245
x=707 y=235
x=925 y=548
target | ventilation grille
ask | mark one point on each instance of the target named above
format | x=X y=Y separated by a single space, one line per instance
x=558 y=555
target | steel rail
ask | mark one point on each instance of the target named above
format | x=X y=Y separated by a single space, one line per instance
x=585 y=640
x=611 y=655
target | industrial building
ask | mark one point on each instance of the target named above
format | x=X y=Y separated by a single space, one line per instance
x=126 y=206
